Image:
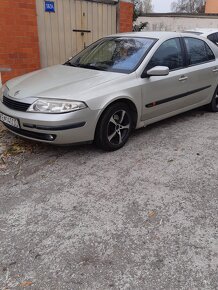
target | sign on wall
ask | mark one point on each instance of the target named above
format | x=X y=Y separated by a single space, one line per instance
x=49 y=6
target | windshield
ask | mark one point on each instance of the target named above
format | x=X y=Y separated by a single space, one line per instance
x=117 y=54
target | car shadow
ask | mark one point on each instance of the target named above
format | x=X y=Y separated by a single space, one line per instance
x=168 y=122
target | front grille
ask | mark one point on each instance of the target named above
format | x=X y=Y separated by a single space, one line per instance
x=15 y=105
x=35 y=135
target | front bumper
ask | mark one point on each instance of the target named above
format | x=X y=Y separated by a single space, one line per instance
x=66 y=128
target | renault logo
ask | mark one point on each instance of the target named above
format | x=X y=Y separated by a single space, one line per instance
x=16 y=93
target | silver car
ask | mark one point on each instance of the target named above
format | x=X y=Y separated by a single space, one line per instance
x=119 y=83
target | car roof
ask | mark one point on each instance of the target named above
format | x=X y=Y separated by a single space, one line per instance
x=149 y=34
x=165 y=35
x=160 y=35
x=203 y=31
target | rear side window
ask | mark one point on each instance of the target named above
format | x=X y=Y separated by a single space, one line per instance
x=213 y=37
x=168 y=54
x=198 y=51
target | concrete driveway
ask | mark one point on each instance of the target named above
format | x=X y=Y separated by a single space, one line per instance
x=143 y=217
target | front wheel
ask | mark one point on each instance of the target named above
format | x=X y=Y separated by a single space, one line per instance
x=213 y=106
x=114 y=127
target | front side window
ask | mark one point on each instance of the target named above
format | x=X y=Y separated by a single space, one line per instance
x=117 y=54
x=198 y=51
x=168 y=54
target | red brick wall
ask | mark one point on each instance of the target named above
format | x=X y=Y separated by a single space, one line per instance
x=19 y=48
x=126 y=16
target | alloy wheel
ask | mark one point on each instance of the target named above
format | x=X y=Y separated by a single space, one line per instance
x=118 y=127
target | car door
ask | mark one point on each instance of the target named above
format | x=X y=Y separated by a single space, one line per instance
x=191 y=81
x=202 y=71
x=162 y=94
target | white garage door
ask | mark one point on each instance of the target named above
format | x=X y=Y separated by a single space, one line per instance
x=74 y=25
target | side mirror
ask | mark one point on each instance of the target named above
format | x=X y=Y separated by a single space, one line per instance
x=156 y=71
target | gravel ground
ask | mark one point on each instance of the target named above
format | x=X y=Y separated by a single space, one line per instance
x=143 y=217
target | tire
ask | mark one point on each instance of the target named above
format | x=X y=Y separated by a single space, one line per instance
x=114 y=127
x=213 y=106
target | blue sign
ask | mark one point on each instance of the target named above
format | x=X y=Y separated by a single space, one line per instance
x=49 y=6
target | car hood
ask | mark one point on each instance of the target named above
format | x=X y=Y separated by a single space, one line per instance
x=60 y=81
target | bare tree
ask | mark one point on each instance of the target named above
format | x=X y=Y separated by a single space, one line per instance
x=188 y=6
x=147 y=6
x=142 y=6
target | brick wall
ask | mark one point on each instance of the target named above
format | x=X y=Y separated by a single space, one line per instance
x=19 y=48
x=126 y=16
x=211 y=6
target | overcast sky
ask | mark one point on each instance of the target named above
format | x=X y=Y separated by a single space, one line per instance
x=161 y=5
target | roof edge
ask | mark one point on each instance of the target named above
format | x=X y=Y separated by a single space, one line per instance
x=185 y=15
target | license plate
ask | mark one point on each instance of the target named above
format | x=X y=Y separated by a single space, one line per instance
x=9 y=120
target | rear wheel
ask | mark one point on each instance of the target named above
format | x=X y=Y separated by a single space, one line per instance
x=213 y=106
x=114 y=127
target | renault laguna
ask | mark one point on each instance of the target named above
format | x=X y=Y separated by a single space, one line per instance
x=119 y=83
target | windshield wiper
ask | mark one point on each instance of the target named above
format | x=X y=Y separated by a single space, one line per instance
x=89 y=66
x=71 y=64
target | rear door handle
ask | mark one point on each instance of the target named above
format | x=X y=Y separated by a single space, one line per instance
x=183 y=78
x=215 y=69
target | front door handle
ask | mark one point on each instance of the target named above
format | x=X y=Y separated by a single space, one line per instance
x=215 y=69
x=183 y=78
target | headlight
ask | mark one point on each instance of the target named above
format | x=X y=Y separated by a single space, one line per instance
x=55 y=106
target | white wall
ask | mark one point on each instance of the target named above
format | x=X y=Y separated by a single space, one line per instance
x=177 y=23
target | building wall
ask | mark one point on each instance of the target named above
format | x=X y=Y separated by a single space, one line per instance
x=211 y=6
x=166 y=22
x=125 y=16
x=19 y=43
x=19 y=47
